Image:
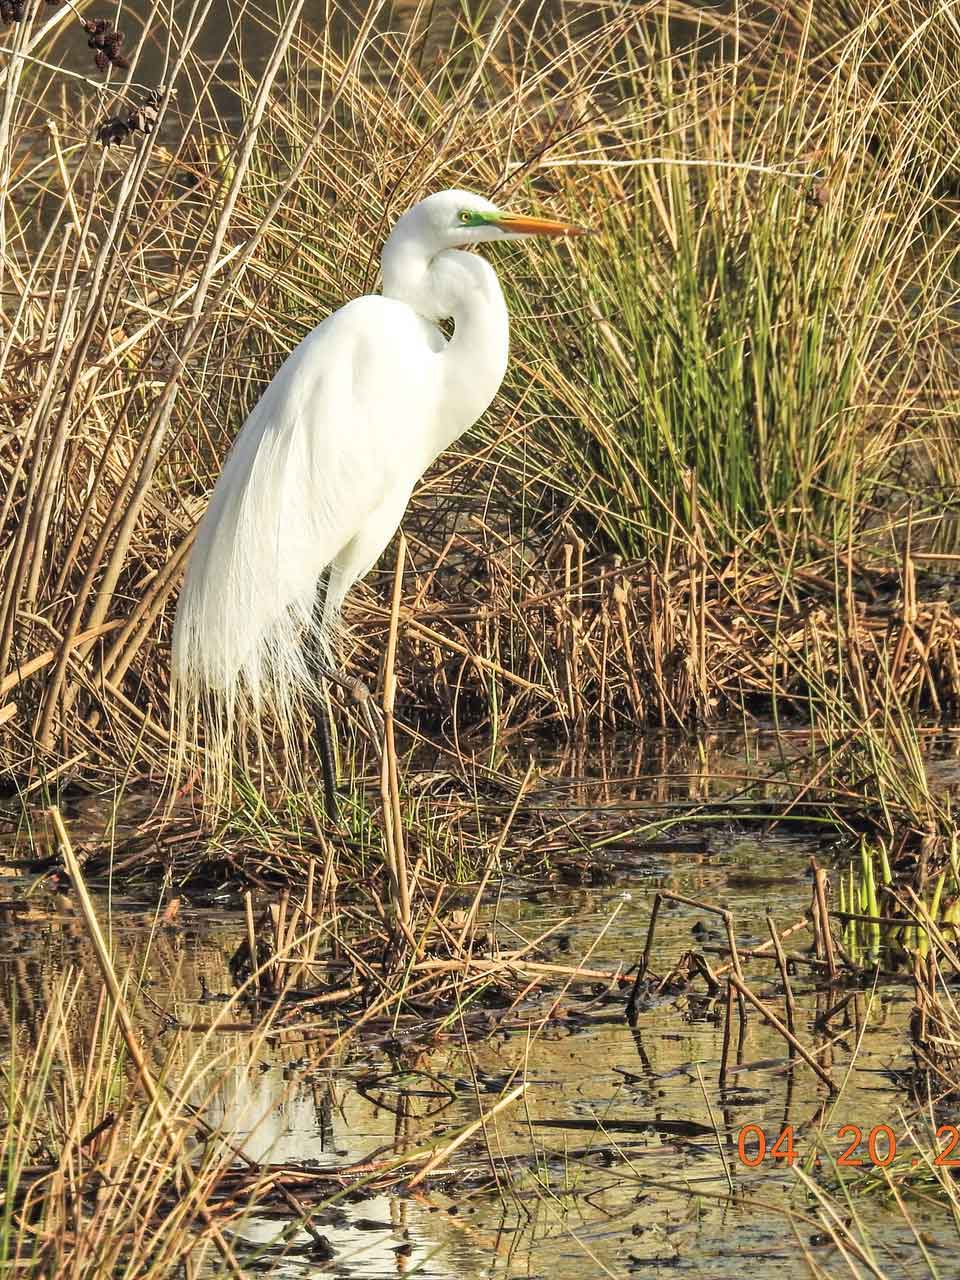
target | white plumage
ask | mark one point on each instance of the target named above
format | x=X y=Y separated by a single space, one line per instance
x=322 y=470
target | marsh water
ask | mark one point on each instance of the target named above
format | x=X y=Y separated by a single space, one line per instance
x=622 y=1157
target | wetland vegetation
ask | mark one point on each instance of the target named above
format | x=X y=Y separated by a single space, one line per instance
x=656 y=858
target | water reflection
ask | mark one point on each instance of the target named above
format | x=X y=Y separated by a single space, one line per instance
x=267 y=1118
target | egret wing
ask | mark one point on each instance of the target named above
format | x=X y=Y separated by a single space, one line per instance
x=335 y=431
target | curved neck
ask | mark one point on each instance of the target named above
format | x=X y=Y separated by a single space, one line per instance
x=462 y=287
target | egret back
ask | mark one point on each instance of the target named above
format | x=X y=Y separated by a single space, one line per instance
x=343 y=431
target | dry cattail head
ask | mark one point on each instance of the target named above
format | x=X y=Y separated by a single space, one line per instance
x=104 y=39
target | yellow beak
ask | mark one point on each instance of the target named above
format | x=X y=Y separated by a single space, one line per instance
x=521 y=225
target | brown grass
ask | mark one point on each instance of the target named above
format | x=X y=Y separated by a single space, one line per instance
x=152 y=288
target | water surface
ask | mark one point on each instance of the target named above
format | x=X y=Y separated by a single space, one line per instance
x=610 y=1163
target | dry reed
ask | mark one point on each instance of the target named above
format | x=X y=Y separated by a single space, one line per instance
x=151 y=289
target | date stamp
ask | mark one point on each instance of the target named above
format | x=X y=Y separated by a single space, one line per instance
x=878 y=1147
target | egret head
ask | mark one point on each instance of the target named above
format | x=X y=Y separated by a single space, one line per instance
x=418 y=267
x=454 y=219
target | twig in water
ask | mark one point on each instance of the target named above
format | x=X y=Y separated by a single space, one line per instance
x=788 y=1035
x=716 y=1131
x=443 y=1152
x=727 y=1026
x=789 y=1002
x=822 y=916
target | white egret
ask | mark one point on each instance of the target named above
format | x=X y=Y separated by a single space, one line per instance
x=322 y=470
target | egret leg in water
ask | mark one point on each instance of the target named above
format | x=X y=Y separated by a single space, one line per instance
x=321 y=472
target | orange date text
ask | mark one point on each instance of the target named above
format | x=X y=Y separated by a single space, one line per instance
x=876 y=1146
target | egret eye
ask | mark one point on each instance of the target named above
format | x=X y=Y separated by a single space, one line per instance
x=466 y=216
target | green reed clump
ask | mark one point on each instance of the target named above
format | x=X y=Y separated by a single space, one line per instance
x=751 y=318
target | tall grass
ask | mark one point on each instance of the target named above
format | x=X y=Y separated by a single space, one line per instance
x=756 y=316
x=741 y=361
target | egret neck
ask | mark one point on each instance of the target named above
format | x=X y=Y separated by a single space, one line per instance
x=462 y=287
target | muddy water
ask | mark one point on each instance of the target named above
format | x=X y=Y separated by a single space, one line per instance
x=614 y=1165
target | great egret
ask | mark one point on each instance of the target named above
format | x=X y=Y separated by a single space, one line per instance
x=322 y=470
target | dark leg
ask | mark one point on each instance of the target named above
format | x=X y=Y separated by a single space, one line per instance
x=325 y=730
x=322 y=719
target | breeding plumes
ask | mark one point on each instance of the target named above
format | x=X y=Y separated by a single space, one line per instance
x=320 y=475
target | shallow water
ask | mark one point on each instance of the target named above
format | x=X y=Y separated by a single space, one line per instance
x=613 y=1156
